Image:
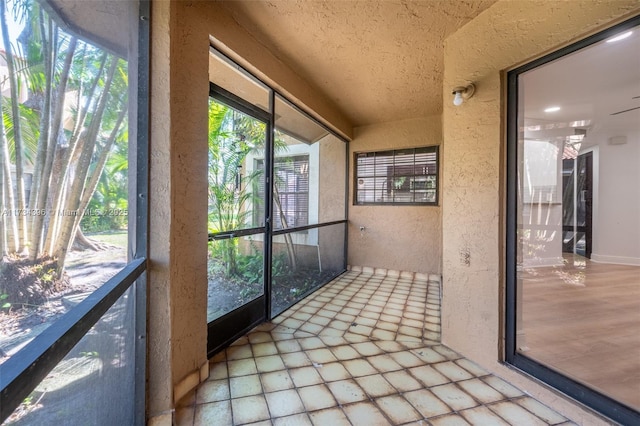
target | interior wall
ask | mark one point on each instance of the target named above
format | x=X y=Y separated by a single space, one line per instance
x=179 y=81
x=505 y=35
x=402 y=238
x=616 y=228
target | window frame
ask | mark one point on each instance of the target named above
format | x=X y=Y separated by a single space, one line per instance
x=586 y=395
x=435 y=149
x=25 y=370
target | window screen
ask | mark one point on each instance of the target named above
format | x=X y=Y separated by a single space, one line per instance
x=291 y=192
x=401 y=176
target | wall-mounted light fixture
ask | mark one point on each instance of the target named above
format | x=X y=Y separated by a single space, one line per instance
x=463 y=92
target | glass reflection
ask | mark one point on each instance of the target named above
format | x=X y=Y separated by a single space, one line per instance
x=578 y=206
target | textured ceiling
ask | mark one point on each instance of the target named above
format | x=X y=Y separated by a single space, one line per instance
x=377 y=60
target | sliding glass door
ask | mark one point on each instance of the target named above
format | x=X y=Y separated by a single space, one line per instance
x=573 y=277
x=236 y=251
x=277 y=203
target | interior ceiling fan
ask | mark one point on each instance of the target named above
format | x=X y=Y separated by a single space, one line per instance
x=627 y=110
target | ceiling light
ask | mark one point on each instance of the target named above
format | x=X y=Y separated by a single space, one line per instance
x=552 y=109
x=462 y=92
x=620 y=37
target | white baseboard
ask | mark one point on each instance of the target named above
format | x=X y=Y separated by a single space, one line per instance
x=617 y=260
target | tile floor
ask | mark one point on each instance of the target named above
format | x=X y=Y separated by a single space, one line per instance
x=363 y=350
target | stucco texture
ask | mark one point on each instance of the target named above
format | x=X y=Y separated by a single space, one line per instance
x=401 y=238
x=181 y=37
x=509 y=33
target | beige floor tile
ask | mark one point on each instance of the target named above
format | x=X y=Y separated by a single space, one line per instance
x=449 y=420
x=410 y=331
x=264 y=349
x=515 y=414
x=269 y=363
x=259 y=337
x=397 y=409
x=302 y=316
x=454 y=397
x=402 y=381
x=295 y=420
x=305 y=376
x=245 y=386
x=503 y=387
x=482 y=416
x=428 y=355
x=239 y=352
x=428 y=376
x=242 y=367
x=363 y=351
x=427 y=404
x=452 y=371
x=384 y=363
x=287 y=346
x=359 y=367
x=339 y=325
x=389 y=326
x=320 y=320
x=321 y=356
x=311 y=343
x=249 y=409
x=540 y=410
x=311 y=328
x=369 y=322
x=347 y=391
x=213 y=413
x=218 y=370
x=375 y=385
x=329 y=417
x=406 y=359
x=390 y=346
x=345 y=352
x=276 y=380
x=333 y=371
x=334 y=341
x=481 y=391
x=295 y=359
x=365 y=413
x=284 y=403
x=383 y=334
x=472 y=367
x=317 y=397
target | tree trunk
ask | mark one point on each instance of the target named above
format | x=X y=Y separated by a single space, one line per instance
x=63 y=241
x=17 y=132
x=8 y=193
x=43 y=141
x=90 y=188
x=293 y=262
x=52 y=141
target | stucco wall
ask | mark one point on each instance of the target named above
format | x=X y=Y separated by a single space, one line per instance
x=180 y=38
x=403 y=238
x=507 y=34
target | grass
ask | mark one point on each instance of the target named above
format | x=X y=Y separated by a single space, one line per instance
x=117 y=238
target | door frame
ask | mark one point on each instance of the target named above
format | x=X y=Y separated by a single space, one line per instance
x=229 y=327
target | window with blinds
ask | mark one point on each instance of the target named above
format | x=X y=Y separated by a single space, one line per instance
x=401 y=176
x=291 y=192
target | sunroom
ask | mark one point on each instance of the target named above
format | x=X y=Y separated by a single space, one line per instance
x=320 y=212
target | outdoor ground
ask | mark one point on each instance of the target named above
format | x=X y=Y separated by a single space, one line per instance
x=86 y=271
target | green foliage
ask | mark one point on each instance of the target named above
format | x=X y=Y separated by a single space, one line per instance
x=232 y=136
x=5 y=305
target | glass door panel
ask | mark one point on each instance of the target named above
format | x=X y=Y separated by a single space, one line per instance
x=577 y=257
x=235 y=269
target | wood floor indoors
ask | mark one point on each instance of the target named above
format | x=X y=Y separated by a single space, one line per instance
x=583 y=319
